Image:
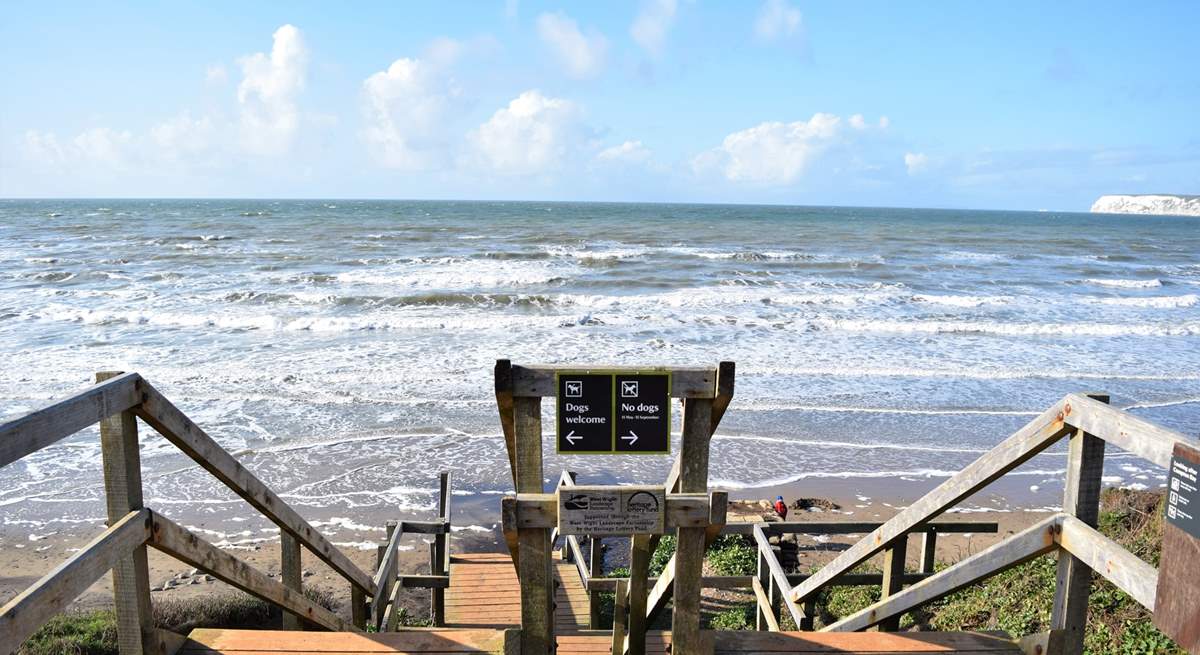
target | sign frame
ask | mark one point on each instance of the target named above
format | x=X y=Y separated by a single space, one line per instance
x=624 y=495
x=612 y=374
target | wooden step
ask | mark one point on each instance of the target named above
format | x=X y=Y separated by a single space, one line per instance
x=208 y=641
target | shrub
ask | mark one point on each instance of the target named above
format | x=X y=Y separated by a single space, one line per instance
x=733 y=555
x=734 y=618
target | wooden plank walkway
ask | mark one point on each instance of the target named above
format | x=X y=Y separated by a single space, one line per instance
x=484 y=593
x=273 y=642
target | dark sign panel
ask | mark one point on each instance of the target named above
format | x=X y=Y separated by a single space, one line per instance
x=585 y=409
x=614 y=412
x=1177 y=600
x=1183 y=496
x=644 y=413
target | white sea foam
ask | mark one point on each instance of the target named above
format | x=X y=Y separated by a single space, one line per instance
x=1157 y=302
x=1126 y=284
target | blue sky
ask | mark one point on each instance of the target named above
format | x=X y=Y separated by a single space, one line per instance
x=947 y=104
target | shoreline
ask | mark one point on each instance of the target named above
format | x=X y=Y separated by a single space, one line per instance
x=1012 y=506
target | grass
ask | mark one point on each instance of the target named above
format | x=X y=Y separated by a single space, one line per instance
x=95 y=632
x=1018 y=601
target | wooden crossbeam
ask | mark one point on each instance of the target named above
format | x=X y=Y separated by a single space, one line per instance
x=1108 y=558
x=163 y=416
x=62 y=418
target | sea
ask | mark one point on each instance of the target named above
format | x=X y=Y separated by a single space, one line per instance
x=344 y=349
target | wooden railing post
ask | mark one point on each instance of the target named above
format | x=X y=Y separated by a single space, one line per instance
x=289 y=569
x=439 y=563
x=1085 y=466
x=764 y=580
x=620 y=618
x=639 y=569
x=689 y=550
x=893 y=577
x=122 y=465
x=533 y=544
x=929 y=550
x=595 y=570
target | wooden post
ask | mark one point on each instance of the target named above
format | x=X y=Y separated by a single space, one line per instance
x=810 y=613
x=1085 y=466
x=533 y=544
x=136 y=633
x=439 y=563
x=689 y=552
x=358 y=608
x=893 y=577
x=595 y=570
x=929 y=550
x=619 y=618
x=289 y=568
x=639 y=569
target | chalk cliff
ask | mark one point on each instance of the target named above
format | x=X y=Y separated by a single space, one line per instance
x=1148 y=204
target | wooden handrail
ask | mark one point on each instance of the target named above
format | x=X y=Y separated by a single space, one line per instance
x=23 y=615
x=173 y=424
x=764 y=604
x=62 y=418
x=181 y=544
x=1123 y=430
x=777 y=574
x=1030 y=440
x=1021 y=547
x=386 y=575
x=1108 y=558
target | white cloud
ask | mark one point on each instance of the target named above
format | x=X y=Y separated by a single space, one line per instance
x=530 y=135
x=772 y=152
x=216 y=74
x=630 y=151
x=858 y=122
x=270 y=116
x=884 y=122
x=404 y=107
x=653 y=22
x=582 y=55
x=915 y=162
x=183 y=136
x=777 y=19
x=97 y=145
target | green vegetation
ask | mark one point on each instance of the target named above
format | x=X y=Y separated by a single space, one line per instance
x=1018 y=601
x=740 y=617
x=732 y=554
x=95 y=632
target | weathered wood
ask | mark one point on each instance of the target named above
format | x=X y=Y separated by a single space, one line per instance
x=186 y=547
x=595 y=570
x=440 y=563
x=385 y=577
x=291 y=574
x=1017 y=549
x=639 y=566
x=122 y=465
x=1030 y=440
x=928 y=551
x=420 y=581
x=858 y=527
x=535 y=381
x=1123 y=430
x=764 y=607
x=1081 y=499
x=211 y=641
x=744 y=581
x=164 y=417
x=1108 y=558
x=682 y=511
x=726 y=374
x=24 y=614
x=763 y=578
x=504 y=403
x=778 y=577
x=893 y=577
x=62 y=418
x=534 y=564
x=689 y=549
x=358 y=608
x=620 y=617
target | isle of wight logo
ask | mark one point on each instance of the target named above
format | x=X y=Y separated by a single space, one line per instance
x=642 y=502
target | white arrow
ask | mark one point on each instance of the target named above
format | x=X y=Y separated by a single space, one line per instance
x=631 y=437
x=571 y=437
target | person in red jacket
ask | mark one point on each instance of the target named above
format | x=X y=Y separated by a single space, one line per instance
x=781 y=508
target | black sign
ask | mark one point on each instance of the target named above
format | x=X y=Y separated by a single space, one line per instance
x=585 y=412
x=643 y=413
x=611 y=413
x=1183 y=495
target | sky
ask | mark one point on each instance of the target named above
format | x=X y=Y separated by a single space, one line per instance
x=1005 y=105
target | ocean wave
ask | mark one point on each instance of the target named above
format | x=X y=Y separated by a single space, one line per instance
x=1125 y=284
x=891 y=326
x=1154 y=302
x=738 y=485
x=962 y=301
